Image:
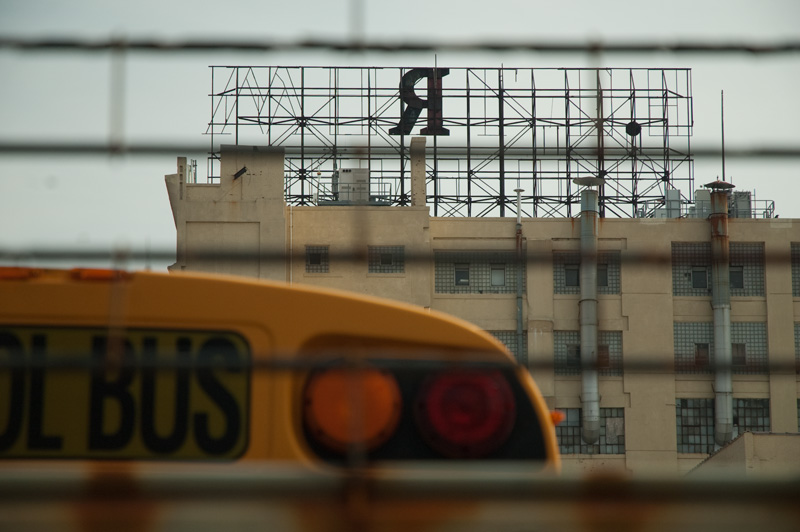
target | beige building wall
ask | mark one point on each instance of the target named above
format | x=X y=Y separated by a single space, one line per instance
x=247 y=215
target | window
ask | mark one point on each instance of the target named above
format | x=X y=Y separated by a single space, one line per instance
x=694 y=342
x=567 y=353
x=572 y=274
x=462 y=274
x=694 y=419
x=699 y=277
x=701 y=355
x=612 y=433
x=736 y=275
x=498 y=274
x=477 y=272
x=751 y=415
x=690 y=265
x=602 y=275
x=739 y=354
x=386 y=259
x=574 y=357
x=603 y=359
x=747 y=274
x=317 y=259
x=567 y=272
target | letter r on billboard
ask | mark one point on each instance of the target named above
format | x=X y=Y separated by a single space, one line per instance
x=415 y=104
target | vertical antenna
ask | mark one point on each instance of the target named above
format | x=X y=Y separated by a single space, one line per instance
x=722 y=120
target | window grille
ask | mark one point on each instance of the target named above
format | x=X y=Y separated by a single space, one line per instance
x=317 y=259
x=566 y=272
x=694 y=419
x=509 y=339
x=695 y=422
x=752 y=357
x=691 y=269
x=476 y=272
x=612 y=433
x=567 y=353
x=691 y=262
x=386 y=259
x=748 y=347
x=701 y=355
x=748 y=260
x=751 y=415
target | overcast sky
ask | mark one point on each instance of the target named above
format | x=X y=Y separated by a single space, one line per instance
x=103 y=202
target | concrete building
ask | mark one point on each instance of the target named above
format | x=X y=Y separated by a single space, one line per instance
x=660 y=308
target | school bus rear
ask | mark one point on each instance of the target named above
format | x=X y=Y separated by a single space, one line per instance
x=114 y=385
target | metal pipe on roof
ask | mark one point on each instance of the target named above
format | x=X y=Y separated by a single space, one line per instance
x=520 y=266
x=590 y=394
x=721 y=305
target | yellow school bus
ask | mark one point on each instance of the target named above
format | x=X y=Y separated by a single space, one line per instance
x=107 y=365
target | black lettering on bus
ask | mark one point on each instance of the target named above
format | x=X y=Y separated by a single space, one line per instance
x=36 y=438
x=11 y=347
x=104 y=390
x=180 y=425
x=211 y=353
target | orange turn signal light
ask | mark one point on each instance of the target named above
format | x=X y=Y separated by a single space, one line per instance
x=12 y=273
x=346 y=407
x=98 y=274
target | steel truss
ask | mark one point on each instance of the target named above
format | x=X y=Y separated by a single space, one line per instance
x=534 y=129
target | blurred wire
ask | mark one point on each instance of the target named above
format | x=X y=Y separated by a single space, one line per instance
x=590 y=47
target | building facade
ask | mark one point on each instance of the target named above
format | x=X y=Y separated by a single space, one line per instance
x=655 y=321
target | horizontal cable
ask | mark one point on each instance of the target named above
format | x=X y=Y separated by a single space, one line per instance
x=591 y=47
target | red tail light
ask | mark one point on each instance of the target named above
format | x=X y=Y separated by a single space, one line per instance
x=466 y=414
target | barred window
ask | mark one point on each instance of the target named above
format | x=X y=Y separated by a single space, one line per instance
x=317 y=259
x=566 y=272
x=751 y=415
x=567 y=353
x=612 y=433
x=509 y=339
x=747 y=260
x=694 y=347
x=691 y=268
x=386 y=259
x=476 y=272
x=691 y=262
x=695 y=422
x=694 y=419
x=701 y=355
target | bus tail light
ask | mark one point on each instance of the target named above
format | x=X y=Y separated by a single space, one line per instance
x=346 y=407
x=466 y=414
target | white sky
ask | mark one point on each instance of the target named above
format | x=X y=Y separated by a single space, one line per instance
x=102 y=202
